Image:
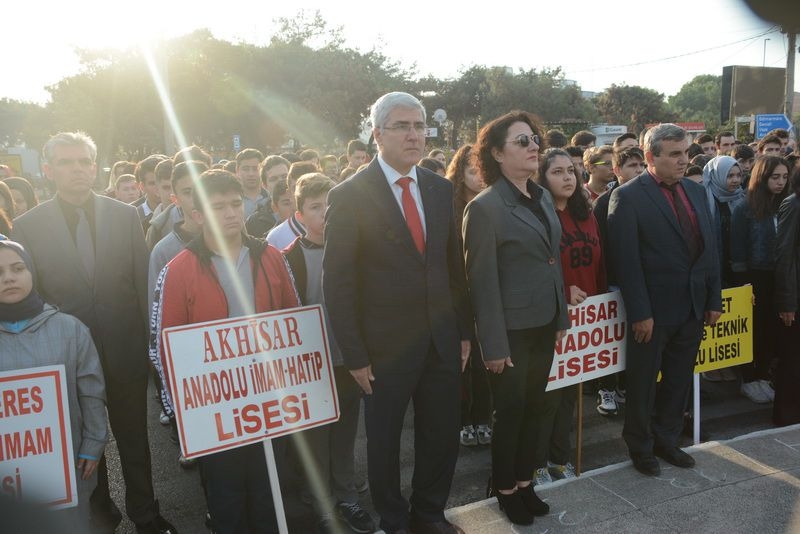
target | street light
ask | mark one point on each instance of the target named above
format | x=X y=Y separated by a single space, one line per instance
x=764 y=60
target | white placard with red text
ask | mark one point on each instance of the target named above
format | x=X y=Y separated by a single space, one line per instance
x=36 y=461
x=594 y=345
x=242 y=380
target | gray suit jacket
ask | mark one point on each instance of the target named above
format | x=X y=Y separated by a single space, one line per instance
x=114 y=304
x=513 y=267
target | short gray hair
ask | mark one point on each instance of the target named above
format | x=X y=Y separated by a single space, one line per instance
x=380 y=110
x=68 y=139
x=663 y=132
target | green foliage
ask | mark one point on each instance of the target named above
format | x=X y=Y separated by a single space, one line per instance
x=306 y=87
x=22 y=123
x=699 y=100
x=633 y=106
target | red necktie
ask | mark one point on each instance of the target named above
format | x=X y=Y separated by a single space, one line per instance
x=412 y=214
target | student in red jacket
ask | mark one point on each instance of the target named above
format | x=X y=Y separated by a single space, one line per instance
x=225 y=273
x=584 y=276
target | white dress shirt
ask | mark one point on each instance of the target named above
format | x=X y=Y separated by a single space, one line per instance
x=392 y=176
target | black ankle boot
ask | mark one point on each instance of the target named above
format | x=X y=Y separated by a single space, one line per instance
x=515 y=508
x=532 y=502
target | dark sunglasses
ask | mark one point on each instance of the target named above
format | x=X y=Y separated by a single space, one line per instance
x=525 y=140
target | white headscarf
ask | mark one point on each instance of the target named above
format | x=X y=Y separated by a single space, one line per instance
x=715 y=180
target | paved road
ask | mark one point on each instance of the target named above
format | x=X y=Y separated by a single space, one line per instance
x=724 y=414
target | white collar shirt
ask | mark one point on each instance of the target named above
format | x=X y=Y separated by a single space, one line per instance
x=392 y=176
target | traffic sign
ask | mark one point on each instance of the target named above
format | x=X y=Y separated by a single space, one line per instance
x=768 y=122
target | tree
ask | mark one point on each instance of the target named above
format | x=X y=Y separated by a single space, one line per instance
x=633 y=106
x=22 y=123
x=484 y=93
x=699 y=100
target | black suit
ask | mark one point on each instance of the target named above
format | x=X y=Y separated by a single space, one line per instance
x=658 y=280
x=404 y=313
x=114 y=306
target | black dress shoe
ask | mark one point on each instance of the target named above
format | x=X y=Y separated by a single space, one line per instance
x=104 y=514
x=514 y=508
x=436 y=527
x=158 y=525
x=532 y=502
x=646 y=464
x=675 y=456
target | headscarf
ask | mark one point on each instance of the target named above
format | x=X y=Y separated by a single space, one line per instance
x=715 y=180
x=32 y=305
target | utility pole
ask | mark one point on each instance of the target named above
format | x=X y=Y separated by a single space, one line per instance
x=791 y=34
x=764 y=59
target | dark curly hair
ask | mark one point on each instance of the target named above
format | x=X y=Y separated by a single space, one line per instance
x=493 y=135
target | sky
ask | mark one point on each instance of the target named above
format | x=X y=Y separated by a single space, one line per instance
x=660 y=46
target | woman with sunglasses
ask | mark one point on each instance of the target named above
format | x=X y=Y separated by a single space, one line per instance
x=511 y=244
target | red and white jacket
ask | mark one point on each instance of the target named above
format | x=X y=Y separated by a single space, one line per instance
x=188 y=291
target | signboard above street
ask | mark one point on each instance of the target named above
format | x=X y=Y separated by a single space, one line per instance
x=768 y=122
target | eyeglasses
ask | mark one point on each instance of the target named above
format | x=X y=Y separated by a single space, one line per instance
x=66 y=162
x=406 y=127
x=525 y=140
x=601 y=163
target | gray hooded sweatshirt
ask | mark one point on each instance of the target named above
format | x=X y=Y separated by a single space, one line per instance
x=53 y=338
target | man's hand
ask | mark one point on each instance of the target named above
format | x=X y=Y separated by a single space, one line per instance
x=364 y=376
x=712 y=316
x=466 y=346
x=787 y=318
x=560 y=335
x=497 y=366
x=88 y=467
x=643 y=330
x=576 y=295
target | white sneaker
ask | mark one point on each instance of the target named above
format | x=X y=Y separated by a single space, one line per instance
x=606 y=405
x=541 y=476
x=767 y=389
x=561 y=471
x=163 y=419
x=484 y=434
x=754 y=392
x=468 y=437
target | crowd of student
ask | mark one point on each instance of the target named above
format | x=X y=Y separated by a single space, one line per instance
x=445 y=284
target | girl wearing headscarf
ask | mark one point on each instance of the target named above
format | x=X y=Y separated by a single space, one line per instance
x=23 y=194
x=34 y=334
x=722 y=178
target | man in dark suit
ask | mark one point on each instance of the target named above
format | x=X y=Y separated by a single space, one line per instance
x=395 y=288
x=91 y=262
x=664 y=255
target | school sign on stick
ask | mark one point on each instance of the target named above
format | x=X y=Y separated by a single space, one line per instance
x=242 y=380
x=36 y=461
x=594 y=345
x=729 y=342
